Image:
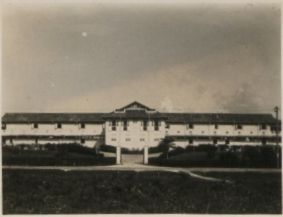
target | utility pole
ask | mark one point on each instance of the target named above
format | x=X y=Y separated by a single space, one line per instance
x=276 y=110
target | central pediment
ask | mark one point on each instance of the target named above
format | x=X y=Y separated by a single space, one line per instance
x=135 y=106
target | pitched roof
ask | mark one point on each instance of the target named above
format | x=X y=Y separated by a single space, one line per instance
x=138 y=114
x=53 y=117
x=135 y=114
x=219 y=118
x=135 y=104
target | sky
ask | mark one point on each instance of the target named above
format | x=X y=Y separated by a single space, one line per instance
x=99 y=56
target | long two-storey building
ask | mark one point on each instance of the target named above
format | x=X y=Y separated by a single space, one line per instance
x=137 y=126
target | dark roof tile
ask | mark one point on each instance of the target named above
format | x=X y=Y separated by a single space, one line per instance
x=220 y=118
x=53 y=117
x=138 y=114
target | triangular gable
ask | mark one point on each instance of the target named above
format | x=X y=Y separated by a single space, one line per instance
x=134 y=106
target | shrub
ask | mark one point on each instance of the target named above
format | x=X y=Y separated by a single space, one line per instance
x=62 y=154
x=164 y=146
x=176 y=151
x=155 y=149
x=269 y=155
x=251 y=156
x=228 y=159
x=225 y=156
x=107 y=148
x=190 y=148
x=209 y=149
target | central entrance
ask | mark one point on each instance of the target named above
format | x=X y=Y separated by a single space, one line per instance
x=124 y=156
x=132 y=158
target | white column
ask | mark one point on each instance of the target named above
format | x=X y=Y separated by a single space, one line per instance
x=118 y=155
x=145 y=155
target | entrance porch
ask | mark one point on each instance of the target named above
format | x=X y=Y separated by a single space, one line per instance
x=131 y=158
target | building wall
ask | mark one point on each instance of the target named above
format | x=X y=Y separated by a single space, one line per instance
x=52 y=129
x=135 y=137
x=222 y=130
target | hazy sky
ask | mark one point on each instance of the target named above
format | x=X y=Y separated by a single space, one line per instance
x=95 y=57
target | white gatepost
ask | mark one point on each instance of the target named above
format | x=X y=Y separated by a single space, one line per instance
x=118 y=155
x=145 y=155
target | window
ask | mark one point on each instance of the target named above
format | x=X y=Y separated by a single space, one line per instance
x=215 y=126
x=191 y=141
x=191 y=126
x=59 y=125
x=3 y=126
x=142 y=139
x=156 y=125
x=128 y=139
x=82 y=125
x=114 y=125
x=239 y=127
x=35 y=125
x=227 y=141
x=125 y=125
x=167 y=126
x=144 y=125
x=156 y=140
x=113 y=139
x=82 y=141
x=263 y=127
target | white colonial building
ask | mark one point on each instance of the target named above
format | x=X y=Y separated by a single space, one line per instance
x=137 y=126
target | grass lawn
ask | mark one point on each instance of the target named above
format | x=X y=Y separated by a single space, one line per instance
x=58 y=192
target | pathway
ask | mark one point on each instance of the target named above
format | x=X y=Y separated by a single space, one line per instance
x=142 y=168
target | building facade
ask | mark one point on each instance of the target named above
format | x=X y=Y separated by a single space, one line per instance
x=138 y=127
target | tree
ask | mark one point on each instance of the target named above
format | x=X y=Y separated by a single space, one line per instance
x=165 y=145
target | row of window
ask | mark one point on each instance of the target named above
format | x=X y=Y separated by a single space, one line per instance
x=156 y=128
x=36 y=140
x=35 y=126
x=191 y=141
x=129 y=139
x=227 y=132
x=114 y=125
x=156 y=125
x=227 y=141
x=237 y=126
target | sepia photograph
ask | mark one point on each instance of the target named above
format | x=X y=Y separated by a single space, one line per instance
x=141 y=107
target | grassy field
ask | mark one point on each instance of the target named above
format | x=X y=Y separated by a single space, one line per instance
x=58 y=192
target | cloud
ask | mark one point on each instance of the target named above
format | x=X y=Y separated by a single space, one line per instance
x=193 y=87
x=197 y=57
x=243 y=99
